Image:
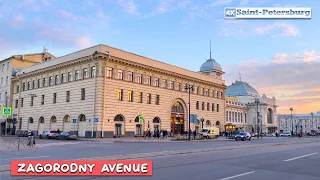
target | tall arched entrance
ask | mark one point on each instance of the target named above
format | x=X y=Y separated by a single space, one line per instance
x=138 y=127
x=119 y=125
x=177 y=117
x=30 y=124
x=66 y=123
x=41 y=125
x=81 y=125
x=53 y=123
x=156 y=124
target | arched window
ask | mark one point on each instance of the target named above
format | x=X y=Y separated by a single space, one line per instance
x=82 y=117
x=218 y=123
x=119 y=117
x=177 y=107
x=156 y=120
x=208 y=123
x=30 y=120
x=41 y=119
x=53 y=119
x=269 y=117
x=66 y=118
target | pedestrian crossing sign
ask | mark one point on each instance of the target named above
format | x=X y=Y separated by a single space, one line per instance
x=141 y=119
x=6 y=111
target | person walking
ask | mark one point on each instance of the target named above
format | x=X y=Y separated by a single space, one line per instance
x=194 y=134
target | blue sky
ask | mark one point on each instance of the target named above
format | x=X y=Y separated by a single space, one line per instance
x=178 y=32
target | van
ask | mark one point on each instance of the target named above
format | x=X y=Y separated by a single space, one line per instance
x=210 y=132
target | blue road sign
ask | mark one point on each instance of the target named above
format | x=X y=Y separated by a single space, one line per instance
x=14 y=115
x=96 y=120
x=74 y=120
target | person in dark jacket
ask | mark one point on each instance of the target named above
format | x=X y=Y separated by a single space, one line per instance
x=194 y=134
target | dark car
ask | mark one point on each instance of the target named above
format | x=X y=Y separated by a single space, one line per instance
x=67 y=136
x=243 y=136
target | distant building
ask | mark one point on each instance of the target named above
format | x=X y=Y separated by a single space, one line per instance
x=8 y=69
x=242 y=112
x=309 y=122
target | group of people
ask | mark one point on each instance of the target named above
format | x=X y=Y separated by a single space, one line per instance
x=156 y=134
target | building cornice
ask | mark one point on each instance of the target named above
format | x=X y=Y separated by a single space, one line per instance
x=56 y=67
x=104 y=57
x=164 y=72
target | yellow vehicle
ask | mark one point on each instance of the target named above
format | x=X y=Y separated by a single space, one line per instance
x=210 y=132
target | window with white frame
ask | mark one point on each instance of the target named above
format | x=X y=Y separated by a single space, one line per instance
x=120 y=74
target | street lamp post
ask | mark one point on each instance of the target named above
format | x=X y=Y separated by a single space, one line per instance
x=257 y=101
x=189 y=88
x=291 y=109
x=312 y=123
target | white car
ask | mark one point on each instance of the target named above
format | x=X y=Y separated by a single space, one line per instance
x=287 y=133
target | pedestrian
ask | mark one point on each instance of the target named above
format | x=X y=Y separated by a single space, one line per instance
x=158 y=134
x=194 y=134
x=146 y=134
x=149 y=133
x=226 y=135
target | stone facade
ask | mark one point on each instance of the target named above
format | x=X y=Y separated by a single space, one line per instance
x=309 y=123
x=114 y=87
x=8 y=68
x=236 y=115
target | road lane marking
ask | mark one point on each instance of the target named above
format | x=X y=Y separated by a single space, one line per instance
x=300 y=157
x=239 y=175
x=26 y=158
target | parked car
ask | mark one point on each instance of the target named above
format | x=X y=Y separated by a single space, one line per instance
x=287 y=133
x=243 y=136
x=67 y=136
x=48 y=134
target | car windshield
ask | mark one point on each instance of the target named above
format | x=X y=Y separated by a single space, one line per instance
x=242 y=133
x=205 y=130
x=53 y=132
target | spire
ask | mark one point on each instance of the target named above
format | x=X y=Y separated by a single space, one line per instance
x=210 y=48
x=240 y=76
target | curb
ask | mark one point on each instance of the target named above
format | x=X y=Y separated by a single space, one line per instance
x=166 y=153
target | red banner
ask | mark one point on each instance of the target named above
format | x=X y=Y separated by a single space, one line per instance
x=81 y=168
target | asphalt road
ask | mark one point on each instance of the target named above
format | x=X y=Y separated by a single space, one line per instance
x=86 y=149
x=290 y=162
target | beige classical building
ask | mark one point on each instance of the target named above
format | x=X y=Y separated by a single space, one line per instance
x=101 y=91
x=236 y=115
x=8 y=69
x=261 y=111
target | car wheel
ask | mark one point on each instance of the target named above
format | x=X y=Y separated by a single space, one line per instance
x=249 y=139
x=47 y=137
x=40 y=137
x=243 y=139
x=236 y=139
x=65 y=138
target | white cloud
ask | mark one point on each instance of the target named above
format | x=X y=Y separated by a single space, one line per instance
x=17 y=21
x=288 y=77
x=285 y=29
x=83 y=42
x=164 y=6
x=68 y=15
x=128 y=5
x=221 y=2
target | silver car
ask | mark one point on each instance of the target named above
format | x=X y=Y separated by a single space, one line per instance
x=48 y=134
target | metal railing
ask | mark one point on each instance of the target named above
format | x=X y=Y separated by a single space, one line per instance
x=16 y=143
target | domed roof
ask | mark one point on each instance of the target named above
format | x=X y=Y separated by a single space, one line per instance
x=210 y=65
x=240 y=88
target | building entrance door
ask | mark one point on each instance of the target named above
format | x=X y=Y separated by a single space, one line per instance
x=2 y=128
